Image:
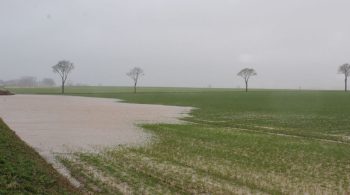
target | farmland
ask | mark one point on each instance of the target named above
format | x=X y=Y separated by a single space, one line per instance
x=264 y=141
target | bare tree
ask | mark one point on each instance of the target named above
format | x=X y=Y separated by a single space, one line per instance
x=246 y=73
x=135 y=74
x=47 y=82
x=63 y=68
x=345 y=69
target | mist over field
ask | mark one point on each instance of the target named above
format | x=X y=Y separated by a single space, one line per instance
x=195 y=43
x=174 y=97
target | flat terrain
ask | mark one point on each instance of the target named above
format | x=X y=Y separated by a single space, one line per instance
x=62 y=124
x=23 y=171
x=57 y=124
x=267 y=142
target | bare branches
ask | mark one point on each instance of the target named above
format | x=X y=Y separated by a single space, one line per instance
x=246 y=73
x=345 y=69
x=63 y=68
x=135 y=74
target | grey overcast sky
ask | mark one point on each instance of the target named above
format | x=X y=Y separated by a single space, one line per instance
x=194 y=43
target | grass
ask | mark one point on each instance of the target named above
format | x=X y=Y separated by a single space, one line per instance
x=273 y=142
x=23 y=171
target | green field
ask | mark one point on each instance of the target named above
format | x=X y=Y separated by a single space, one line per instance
x=274 y=142
x=23 y=171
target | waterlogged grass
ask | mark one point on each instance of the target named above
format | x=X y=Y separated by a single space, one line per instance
x=266 y=142
x=23 y=171
x=314 y=114
x=200 y=159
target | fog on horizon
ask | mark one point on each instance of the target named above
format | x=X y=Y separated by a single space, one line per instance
x=185 y=43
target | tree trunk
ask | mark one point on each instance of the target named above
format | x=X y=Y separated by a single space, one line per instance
x=246 y=86
x=62 y=87
x=346 y=84
x=135 y=87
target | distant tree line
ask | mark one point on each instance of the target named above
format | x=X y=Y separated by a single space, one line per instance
x=247 y=73
x=64 y=67
x=28 y=81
